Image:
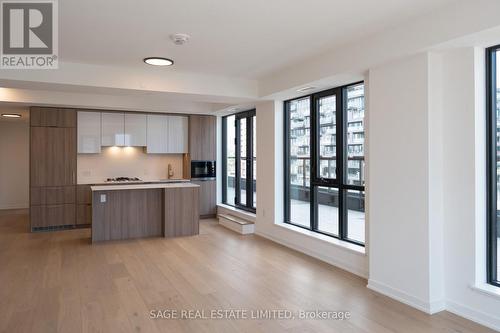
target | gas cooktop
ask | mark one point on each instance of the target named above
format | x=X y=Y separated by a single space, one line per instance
x=124 y=180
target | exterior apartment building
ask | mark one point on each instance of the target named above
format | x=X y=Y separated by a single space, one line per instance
x=300 y=143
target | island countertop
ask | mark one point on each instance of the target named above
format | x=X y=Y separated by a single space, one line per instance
x=141 y=186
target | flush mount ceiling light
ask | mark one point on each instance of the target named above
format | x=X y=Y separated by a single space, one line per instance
x=158 y=61
x=11 y=115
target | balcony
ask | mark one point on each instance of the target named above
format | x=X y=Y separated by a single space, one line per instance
x=328 y=213
x=327 y=202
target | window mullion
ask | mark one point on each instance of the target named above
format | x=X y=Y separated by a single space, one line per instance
x=313 y=163
x=492 y=185
x=249 y=162
x=340 y=157
x=237 y=187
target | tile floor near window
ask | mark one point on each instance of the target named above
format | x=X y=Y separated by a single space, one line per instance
x=328 y=215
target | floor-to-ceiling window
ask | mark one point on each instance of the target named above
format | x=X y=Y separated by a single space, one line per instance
x=324 y=163
x=493 y=184
x=239 y=160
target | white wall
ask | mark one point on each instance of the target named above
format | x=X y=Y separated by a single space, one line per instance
x=464 y=185
x=398 y=181
x=269 y=222
x=14 y=164
x=126 y=162
x=427 y=188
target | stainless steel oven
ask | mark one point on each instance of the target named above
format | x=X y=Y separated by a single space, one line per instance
x=203 y=170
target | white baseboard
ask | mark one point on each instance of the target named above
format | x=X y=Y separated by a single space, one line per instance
x=403 y=297
x=14 y=206
x=332 y=261
x=474 y=315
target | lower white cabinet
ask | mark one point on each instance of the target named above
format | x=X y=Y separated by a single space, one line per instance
x=167 y=134
x=89 y=132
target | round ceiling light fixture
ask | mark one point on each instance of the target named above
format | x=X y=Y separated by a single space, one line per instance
x=11 y=115
x=158 y=61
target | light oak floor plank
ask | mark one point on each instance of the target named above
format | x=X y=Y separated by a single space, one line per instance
x=60 y=282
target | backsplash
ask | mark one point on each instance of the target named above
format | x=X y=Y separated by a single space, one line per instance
x=126 y=162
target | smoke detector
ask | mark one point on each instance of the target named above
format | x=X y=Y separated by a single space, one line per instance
x=179 y=39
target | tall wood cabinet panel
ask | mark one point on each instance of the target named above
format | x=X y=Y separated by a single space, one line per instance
x=202 y=146
x=51 y=195
x=53 y=156
x=53 y=149
x=208 y=202
x=52 y=117
x=52 y=215
x=202 y=137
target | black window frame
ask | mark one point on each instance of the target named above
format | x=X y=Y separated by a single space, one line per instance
x=340 y=181
x=249 y=186
x=491 y=166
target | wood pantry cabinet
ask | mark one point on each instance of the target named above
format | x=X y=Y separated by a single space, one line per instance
x=208 y=203
x=202 y=147
x=52 y=117
x=202 y=138
x=53 y=148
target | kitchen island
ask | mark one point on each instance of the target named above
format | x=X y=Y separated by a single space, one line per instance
x=127 y=211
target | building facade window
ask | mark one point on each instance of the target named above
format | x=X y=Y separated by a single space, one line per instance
x=324 y=163
x=239 y=167
x=493 y=164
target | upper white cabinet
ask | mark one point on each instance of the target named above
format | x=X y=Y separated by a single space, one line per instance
x=167 y=134
x=89 y=132
x=135 y=130
x=160 y=134
x=113 y=129
x=157 y=134
x=177 y=141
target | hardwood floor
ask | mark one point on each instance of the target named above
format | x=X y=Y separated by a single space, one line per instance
x=59 y=282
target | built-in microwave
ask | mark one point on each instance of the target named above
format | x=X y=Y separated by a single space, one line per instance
x=203 y=170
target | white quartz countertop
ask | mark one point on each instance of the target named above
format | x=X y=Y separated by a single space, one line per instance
x=141 y=186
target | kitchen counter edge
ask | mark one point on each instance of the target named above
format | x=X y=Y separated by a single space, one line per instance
x=140 y=186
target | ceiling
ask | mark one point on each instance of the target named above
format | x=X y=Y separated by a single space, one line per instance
x=233 y=38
